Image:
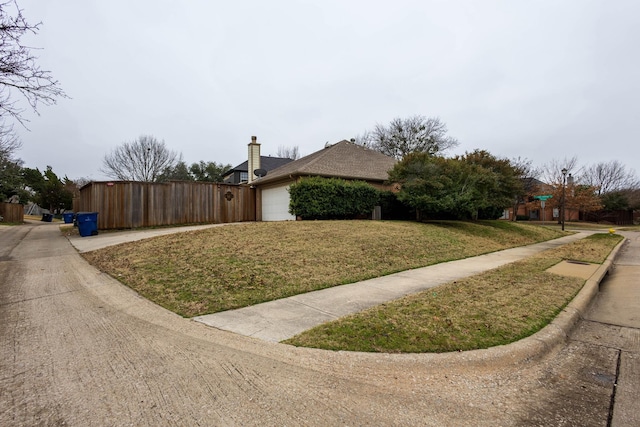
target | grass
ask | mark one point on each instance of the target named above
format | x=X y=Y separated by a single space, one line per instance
x=39 y=218
x=69 y=230
x=490 y=309
x=223 y=268
x=596 y=226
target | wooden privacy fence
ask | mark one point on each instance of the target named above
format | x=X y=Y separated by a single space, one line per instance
x=12 y=212
x=124 y=204
x=617 y=217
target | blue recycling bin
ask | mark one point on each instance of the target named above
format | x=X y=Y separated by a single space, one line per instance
x=87 y=223
x=68 y=217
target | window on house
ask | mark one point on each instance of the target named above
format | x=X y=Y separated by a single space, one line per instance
x=244 y=176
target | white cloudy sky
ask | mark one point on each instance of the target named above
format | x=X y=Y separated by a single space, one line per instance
x=540 y=80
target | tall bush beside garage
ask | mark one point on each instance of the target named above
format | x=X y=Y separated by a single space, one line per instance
x=331 y=198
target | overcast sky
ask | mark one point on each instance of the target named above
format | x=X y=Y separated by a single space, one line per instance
x=540 y=80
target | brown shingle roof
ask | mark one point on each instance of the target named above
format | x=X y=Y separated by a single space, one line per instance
x=341 y=160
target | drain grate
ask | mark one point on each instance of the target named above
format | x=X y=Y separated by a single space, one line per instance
x=572 y=261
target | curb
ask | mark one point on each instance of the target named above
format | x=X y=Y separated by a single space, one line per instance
x=548 y=338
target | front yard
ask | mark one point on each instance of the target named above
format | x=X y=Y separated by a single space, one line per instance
x=224 y=268
x=494 y=308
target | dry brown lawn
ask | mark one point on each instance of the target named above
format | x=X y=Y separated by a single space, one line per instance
x=494 y=308
x=223 y=268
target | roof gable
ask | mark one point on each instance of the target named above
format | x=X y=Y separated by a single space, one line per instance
x=341 y=160
x=533 y=184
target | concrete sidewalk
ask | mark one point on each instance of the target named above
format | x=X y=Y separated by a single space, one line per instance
x=110 y=238
x=278 y=320
x=281 y=319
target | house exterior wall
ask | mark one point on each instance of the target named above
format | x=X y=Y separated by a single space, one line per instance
x=615 y=217
x=236 y=177
x=274 y=206
x=536 y=213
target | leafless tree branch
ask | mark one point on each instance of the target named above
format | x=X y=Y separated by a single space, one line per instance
x=288 y=152
x=9 y=141
x=144 y=159
x=412 y=134
x=19 y=71
x=609 y=177
x=552 y=171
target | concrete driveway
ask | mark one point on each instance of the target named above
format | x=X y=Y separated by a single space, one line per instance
x=80 y=349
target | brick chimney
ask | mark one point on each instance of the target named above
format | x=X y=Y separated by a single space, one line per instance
x=254 y=158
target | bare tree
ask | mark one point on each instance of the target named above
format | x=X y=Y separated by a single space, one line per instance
x=552 y=171
x=525 y=167
x=610 y=177
x=633 y=197
x=18 y=69
x=288 y=152
x=9 y=142
x=10 y=166
x=144 y=159
x=412 y=134
x=82 y=181
x=570 y=190
x=365 y=139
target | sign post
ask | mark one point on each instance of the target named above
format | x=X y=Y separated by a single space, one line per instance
x=543 y=199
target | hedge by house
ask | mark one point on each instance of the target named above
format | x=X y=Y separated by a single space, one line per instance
x=331 y=198
x=394 y=209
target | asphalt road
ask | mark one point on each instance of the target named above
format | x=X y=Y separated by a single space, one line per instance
x=79 y=349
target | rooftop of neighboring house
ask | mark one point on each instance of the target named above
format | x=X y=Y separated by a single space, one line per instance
x=267 y=163
x=341 y=160
x=534 y=184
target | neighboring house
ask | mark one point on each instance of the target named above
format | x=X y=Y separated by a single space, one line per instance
x=344 y=159
x=541 y=207
x=532 y=209
x=240 y=174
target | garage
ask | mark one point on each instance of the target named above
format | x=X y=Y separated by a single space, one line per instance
x=344 y=160
x=275 y=204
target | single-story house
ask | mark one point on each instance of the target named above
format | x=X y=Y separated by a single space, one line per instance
x=344 y=159
x=265 y=196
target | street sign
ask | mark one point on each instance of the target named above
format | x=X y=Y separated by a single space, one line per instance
x=543 y=199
